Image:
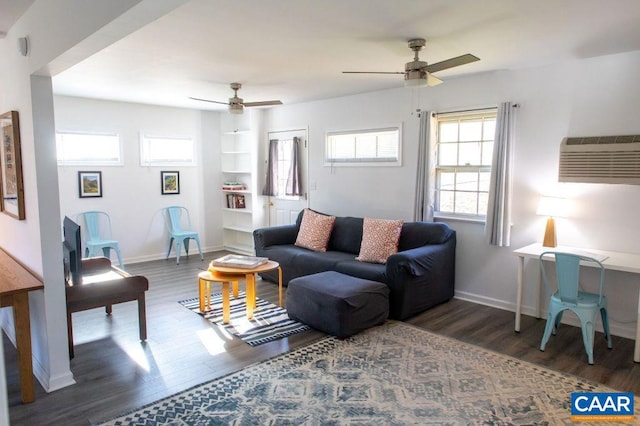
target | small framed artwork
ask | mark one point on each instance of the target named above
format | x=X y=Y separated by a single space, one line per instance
x=170 y=182
x=11 y=187
x=89 y=184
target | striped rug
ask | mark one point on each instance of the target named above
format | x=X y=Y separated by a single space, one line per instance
x=270 y=322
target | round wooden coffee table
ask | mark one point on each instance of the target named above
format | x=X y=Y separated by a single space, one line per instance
x=250 y=279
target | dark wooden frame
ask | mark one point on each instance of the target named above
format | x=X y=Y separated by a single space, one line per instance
x=164 y=188
x=81 y=192
x=11 y=202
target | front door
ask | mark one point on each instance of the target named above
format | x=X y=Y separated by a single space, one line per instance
x=284 y=209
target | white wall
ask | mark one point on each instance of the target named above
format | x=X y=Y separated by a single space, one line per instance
x=131 y=192
x=58 y=39
x=591 y=97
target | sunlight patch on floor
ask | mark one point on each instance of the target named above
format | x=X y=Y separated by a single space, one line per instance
x=213 y=341
x=137 y=353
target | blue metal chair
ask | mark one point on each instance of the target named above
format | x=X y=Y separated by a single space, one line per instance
x=180 y=231
x=568 y=296
x=98 y=237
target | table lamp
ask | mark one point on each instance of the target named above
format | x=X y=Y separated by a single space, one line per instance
x=552 y=207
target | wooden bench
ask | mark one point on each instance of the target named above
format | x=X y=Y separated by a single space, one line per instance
x=105 y=285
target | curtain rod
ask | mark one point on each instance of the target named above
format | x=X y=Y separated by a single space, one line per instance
x=433 y=114
x=470 y=110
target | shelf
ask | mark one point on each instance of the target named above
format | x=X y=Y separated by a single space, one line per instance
x=238 y=156
x=238 y=228
x=240 y=248
x=240 y=191
x=237 y=172
x=246 y=211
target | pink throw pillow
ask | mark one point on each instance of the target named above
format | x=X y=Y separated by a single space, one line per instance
x=379 y=239
x=315 y=230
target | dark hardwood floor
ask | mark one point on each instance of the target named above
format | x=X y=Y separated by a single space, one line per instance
x=115 y=373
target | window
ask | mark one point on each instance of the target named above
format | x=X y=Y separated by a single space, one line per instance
x=464 y=155
x=163 y=151
x=88 y=149
x=366 y=147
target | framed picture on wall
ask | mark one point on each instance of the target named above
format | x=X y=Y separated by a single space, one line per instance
x=89 y=184
x=170 y=182
x=11 y=186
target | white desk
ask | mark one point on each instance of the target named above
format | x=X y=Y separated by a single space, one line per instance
x=615 y=261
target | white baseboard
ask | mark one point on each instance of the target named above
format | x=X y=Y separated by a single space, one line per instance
x=160 y=256
x=626 y=330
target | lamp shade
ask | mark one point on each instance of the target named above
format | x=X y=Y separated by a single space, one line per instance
x=553 y=206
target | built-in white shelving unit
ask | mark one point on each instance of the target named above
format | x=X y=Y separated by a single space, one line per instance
x=243 y=209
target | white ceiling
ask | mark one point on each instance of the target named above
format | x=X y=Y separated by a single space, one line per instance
x=295 y=50
x=10 y=11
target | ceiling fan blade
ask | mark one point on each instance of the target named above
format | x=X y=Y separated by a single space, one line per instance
x=432 y=80
x=208 y=100
x=453 y=62
x=372 y=72
x=262 y=103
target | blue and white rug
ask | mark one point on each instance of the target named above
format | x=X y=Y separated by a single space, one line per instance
x=270 y=322
x=394 y=374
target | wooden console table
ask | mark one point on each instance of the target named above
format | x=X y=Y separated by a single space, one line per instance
x=16 y=281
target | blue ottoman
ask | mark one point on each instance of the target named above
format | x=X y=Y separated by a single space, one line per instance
x=338 y=304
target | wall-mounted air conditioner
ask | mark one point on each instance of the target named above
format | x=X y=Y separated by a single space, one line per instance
x=600 y=159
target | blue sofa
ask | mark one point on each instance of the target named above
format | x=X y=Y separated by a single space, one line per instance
x=419 y=276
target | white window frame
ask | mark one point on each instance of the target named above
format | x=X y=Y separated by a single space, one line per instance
x=87 y=161
x=456 y=169
x=145 y=151
x=358 y=135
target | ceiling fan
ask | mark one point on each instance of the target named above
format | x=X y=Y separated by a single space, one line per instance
x=236 y=104
x=419 y=73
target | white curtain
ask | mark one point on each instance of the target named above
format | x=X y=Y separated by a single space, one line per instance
x=498 y=225
x=425 y=179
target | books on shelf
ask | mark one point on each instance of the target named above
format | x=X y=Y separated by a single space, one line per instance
x=236 y=201
x=239 y=261
x=233 y=186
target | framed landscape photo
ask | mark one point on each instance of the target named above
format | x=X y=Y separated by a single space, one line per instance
x=90 y=184
x=11 y=187
x=170 y=182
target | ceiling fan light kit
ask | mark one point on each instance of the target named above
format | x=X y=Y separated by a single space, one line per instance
x=418 y=73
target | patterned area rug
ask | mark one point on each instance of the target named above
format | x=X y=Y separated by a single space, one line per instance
x=270 y=322
x=394 y=374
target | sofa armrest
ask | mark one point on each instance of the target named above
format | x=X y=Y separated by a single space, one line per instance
x=420 y=278
x=275 y=235
x=416 y=262
x=431 y=263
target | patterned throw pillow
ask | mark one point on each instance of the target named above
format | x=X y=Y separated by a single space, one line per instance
x=379 y=239
x=315 y=230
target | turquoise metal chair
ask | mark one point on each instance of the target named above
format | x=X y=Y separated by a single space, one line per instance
x=98 y=237
x=568 y=296
x=180 y=231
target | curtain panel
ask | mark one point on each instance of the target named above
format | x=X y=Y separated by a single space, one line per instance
x=293 y=179
x=271 y=181
x=498 y=224
x=425 y=179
